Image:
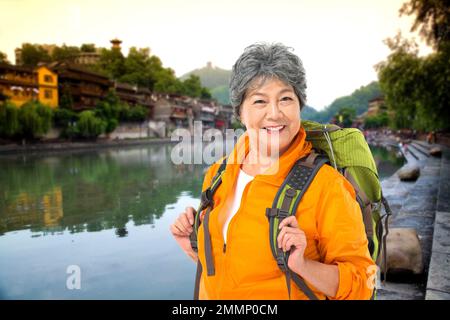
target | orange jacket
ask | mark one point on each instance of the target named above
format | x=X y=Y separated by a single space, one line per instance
x=328 y=214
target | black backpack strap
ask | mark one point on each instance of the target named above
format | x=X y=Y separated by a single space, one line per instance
x=206 y=202
x=285 y=204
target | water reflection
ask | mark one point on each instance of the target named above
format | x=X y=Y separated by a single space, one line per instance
x=92 y=191
x=388 y=160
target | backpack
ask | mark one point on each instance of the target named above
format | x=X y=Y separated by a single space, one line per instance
x=348 y=152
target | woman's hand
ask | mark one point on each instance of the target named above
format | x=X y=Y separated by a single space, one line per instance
x=291 y=237
x=181 y=230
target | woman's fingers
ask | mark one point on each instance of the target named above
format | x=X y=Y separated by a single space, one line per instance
x=183 y=225
x=185 y=222
x=179 y=224
x=190 y=211
x=176 y=231
x=289 y=221
x=287 y=230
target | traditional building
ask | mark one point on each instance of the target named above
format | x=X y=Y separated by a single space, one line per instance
x=224 y=117
x=22 y=84
x=126 y=93
x=145 y=99
x=205 y=111
x=176 y=111
x=87 y=58
x=85 y=87
x=376 y=105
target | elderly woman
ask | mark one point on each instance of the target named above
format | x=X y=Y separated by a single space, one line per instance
x=325 y=238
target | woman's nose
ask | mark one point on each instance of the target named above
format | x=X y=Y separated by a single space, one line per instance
x=274 y=111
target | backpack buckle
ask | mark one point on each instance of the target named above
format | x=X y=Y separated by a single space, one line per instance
x=205 y=199
x=276 y=213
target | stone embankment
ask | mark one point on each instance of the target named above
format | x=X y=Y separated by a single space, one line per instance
x=424 y=206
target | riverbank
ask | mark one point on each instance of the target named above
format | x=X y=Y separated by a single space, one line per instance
x=56 y=146
x=425 y=206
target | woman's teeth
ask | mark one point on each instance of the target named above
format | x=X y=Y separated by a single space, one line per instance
x=274 y=129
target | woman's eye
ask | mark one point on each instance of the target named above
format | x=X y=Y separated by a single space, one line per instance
x=258 y=101
x=286 y=99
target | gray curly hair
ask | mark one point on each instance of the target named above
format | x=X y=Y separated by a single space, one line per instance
x=262 y=61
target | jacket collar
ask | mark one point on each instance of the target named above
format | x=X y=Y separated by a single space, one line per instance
x=298 y=148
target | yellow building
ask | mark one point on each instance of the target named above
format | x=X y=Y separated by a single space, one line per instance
x=22 y=84
x=47 y=86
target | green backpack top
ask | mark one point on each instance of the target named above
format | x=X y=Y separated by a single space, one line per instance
x=348 y=152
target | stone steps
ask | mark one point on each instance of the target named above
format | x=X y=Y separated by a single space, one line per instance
x=414 y=206
x=419 y=149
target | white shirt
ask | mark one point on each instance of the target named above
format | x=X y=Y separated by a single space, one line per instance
x=242 y=181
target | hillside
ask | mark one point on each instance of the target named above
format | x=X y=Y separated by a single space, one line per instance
x=359 y=100
x=215 y=79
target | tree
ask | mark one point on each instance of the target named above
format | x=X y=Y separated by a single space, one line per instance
x=416 y=88
x=65 y=53
x=33 y=54
x=192 y=86
x=35 y=120
x=345 y=116
x=139 y=68
x=111 y=63
x=66 y=101
x=378 y=121
x=4 y=58
x=89 y=126
x=166 y=82
x=9 y=120
x=432 y=20
x=88 y=47
x=205 y=93
x=137 y=113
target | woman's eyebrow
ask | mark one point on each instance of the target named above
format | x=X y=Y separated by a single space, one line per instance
x=256 y=93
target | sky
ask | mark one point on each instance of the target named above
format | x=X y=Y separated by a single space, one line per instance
x=339 y=41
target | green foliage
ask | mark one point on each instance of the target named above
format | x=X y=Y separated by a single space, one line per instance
x=140 y=68
x=9 y=120
x=65 y=53
x=111 y=63
x=87 y=47
x=432 y=20
x=379 y=121
x=358 y=100
x=205 y=94
x=345 y=117
x=33 y=54
x=64 y=117
x=416 y=88
x=35 y=119
x=89 y=126
x=66 y=101
x=192 y=86
x=221 y=94
x=167 y=82
x=137 y=114
x=3 y=58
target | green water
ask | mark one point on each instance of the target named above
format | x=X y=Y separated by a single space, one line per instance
x=108 y=213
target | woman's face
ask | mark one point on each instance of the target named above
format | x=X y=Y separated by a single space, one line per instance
x=271 y=114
